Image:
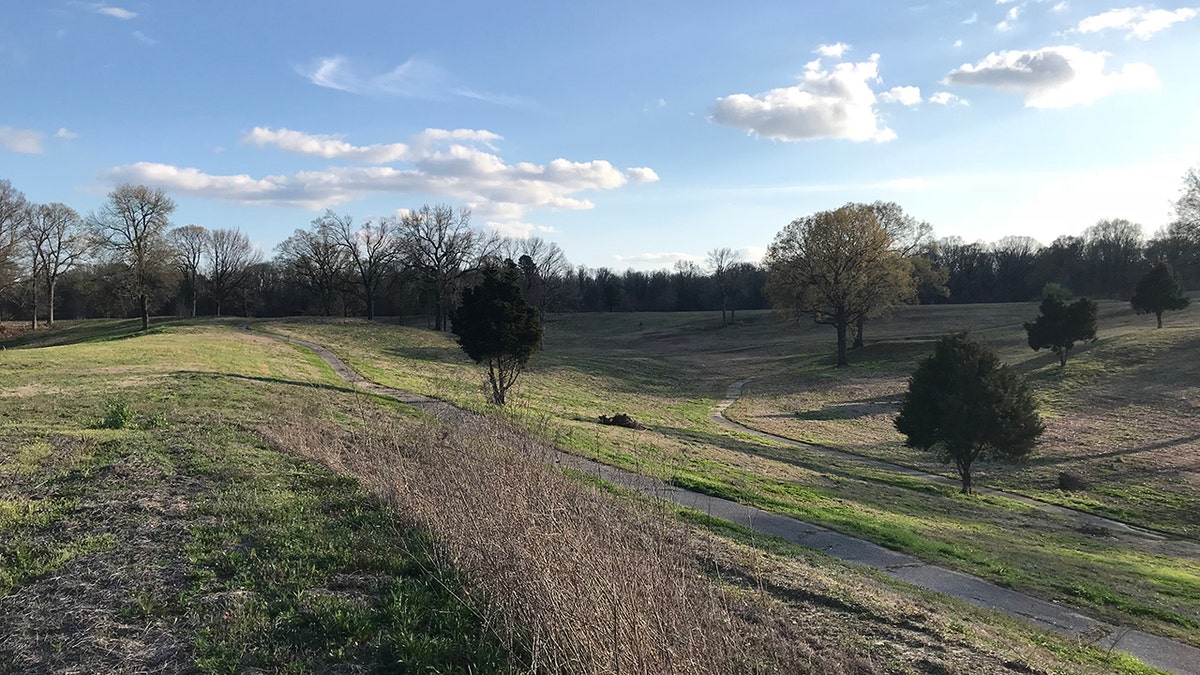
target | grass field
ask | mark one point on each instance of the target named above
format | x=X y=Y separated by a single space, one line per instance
x=1119 y=416
x=155 y=515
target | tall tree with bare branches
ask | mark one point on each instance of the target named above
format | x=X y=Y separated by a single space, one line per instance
x=315 y=259
x=58 y=240
x=133 y=224
x=12 y=214
x=229 y=260
x=373 y=251
x=439 y=244
x=723 y=263
x=190 y=243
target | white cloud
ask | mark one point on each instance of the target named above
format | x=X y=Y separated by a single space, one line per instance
x=415 y=78
x=834 y=51
x=1062 y=6
x=958 y=43
x=1053 y=77
x=641 y=174
x=837 y=103
x=657 y=260
x=1006 y=25
x=24 y=141
x=517 y=229
x=909 y=96
x=328 y=147
x=452 y=163
x=66 y=134
x=115 y=12
x=971 y=19
x=1135 y=21
x=946 y=98
x=143 y=38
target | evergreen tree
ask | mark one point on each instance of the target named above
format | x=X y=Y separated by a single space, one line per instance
x=497 y=325
x=1159 y=291
x=964 y=403
x=1061 y=324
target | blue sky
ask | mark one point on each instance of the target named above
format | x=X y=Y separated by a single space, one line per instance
x=633 y=134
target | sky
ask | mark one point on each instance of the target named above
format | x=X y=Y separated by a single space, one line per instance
x=633 y=134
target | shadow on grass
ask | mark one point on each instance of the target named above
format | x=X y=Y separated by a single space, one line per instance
x=103 y=330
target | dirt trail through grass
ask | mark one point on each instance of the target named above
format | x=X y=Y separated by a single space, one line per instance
x=1116 y=529
x=1154 y=650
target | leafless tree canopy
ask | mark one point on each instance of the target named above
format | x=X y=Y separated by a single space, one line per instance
x=133 y=224
x=12 y=212
x=189 y=244
x=371 y=251
x=722 y=264
x=229 y=259
x=440 y=246
x=57 y=240
x=316 y=260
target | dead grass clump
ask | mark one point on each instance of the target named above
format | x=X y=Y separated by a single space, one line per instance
x=568 y=577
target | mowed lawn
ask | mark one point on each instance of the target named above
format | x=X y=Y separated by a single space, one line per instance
x=145 y=526
x=148 y=525
x=669 y=370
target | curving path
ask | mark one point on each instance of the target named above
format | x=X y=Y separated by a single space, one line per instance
x=1155 y=650
x=1150 y=540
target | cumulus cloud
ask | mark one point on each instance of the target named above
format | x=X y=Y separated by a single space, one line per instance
x=24 y=141
x=451 y=163
x=66 y=134
x=328 y=147
x=836 y=103
x=1136 y=22
x=946 y=98
x=115 y=12
x=1053 y=77
x=833 y=51
x=517 y=229
x=909 y=96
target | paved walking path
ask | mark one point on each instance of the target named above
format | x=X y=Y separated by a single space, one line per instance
x=1148 y=540
x=1157 y=651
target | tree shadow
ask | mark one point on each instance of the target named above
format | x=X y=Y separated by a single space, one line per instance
x=104 y=330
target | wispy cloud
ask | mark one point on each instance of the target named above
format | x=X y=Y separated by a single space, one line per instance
x=66 y=134
x=415 y=78
x=115 y=12
x=143 y=38
x=23 y=141
x=1136 y=22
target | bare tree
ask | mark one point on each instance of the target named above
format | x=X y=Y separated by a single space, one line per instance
x=723 y=264
x=546 y=274
x=58 y=240
x=372 y=251
x=190 y=243
x=133 y=225
x=12 y=214
x=229 y=259
x=439 y=244
x=316 y=259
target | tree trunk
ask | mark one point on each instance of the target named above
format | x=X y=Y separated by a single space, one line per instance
x=858 y=333
x=50 y=304
x=1062 y=358
x=33 y=319
x=144 y=301
x=370 y=306
x=841 y=345
x=217 y=302
x=964 y=471
x=194 y=295
x=1158 y=315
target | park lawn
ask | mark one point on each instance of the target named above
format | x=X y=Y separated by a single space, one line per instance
x=1121 y=416
x=669 y=370
x=180 y=540
x=184 y=537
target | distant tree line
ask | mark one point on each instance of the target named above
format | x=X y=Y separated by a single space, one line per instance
x=128 y=258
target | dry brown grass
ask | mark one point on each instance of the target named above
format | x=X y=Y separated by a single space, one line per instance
x=574 y=579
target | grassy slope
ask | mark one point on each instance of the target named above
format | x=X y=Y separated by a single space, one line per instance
x=183 y=539
x=668 y=370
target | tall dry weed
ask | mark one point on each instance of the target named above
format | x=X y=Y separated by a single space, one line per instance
x=570 y=578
